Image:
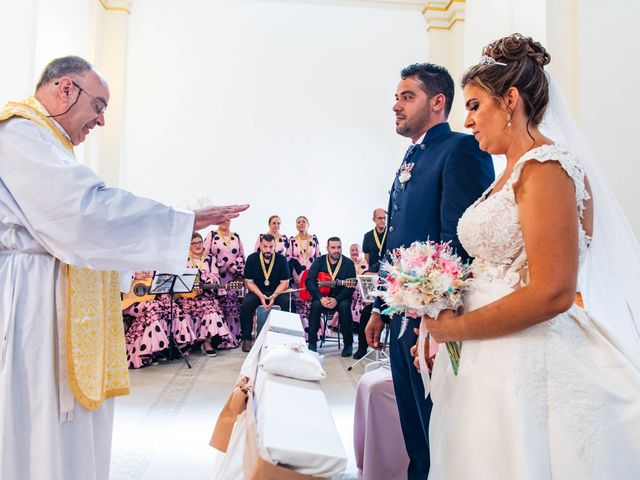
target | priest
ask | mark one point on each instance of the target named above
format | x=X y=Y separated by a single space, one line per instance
x=63 y=236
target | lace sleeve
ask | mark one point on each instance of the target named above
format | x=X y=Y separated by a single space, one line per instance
x=567 y=161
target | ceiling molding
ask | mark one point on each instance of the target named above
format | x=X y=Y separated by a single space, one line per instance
x=416 y=5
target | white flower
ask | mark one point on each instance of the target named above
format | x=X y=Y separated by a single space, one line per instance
x=440 y=282
x=405 y=173
x=404 y=176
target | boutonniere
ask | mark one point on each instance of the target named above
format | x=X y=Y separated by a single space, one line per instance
x=405 y=173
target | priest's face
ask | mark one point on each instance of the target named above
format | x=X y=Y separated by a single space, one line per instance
x=334 y=249
x=86 y=97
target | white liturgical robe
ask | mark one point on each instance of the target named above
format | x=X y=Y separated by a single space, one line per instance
x=53 y=210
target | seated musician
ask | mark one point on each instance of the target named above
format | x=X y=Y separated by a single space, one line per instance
x=201 y=305
x=335 y=266
x=266 y=275
x=148 y=331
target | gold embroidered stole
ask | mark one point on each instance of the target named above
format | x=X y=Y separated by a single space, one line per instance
x=95 y=350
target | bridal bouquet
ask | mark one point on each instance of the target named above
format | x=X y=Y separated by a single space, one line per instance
x=427 y=277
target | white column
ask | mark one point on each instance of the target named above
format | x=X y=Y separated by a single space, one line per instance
x=17 y=38
x=110 y=59
x=445 y=30
x=562 y=43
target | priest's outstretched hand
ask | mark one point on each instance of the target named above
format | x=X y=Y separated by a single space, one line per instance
x=216 y=215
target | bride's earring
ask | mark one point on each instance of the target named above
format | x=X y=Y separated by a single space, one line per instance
x=508 y=120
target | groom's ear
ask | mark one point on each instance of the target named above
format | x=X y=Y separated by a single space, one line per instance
x=438 y=102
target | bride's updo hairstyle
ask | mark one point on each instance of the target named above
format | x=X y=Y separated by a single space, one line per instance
x=514 y=61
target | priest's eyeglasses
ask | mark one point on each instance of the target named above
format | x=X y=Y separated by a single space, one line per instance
x=98 y=103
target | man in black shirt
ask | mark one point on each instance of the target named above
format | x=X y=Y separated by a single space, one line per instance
x=375 y=241
x=266 y=274
x=338 y=267
x=374 y=245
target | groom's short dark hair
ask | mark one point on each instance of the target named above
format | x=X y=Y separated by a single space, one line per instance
x=435 y=79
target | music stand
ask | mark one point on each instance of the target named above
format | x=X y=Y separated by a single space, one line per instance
x=368 y=284
x=169 y=283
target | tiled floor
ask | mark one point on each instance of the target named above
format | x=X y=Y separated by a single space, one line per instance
x=162 y=429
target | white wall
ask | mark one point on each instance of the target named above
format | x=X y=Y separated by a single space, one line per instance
x=283 y=105
x=488 y=20
x=36 y=31
x=264 y=92
x=609 y=94
x=18 y=28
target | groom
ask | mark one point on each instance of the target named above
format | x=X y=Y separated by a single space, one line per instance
x=442 y=173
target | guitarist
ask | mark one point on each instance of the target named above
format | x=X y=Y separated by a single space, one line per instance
x=338 y=267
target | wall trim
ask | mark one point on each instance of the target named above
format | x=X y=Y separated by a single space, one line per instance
x=440 y=6
x=443 y=14
x=416 y=5
x=117 y=6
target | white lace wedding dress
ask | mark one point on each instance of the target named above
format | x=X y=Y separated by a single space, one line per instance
x=557 y=400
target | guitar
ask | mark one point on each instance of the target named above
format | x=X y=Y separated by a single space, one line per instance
x=140 y=291
x=235 y=285
x=324 y=283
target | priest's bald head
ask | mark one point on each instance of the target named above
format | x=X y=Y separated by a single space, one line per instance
x=75 y=94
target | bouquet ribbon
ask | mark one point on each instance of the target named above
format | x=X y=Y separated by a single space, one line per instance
x=453 y=349
x=424 y=369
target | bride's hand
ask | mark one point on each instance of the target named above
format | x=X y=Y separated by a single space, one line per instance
x=444 y=328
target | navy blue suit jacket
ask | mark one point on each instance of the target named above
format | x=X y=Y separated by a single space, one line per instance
x=449 y=173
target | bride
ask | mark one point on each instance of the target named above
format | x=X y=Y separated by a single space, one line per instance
x=545 y=388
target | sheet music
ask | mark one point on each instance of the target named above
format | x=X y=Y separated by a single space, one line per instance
x=183 y=283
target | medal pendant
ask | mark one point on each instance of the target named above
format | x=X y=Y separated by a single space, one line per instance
x=266 y=283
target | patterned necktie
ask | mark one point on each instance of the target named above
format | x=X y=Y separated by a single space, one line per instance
x=409 y=152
